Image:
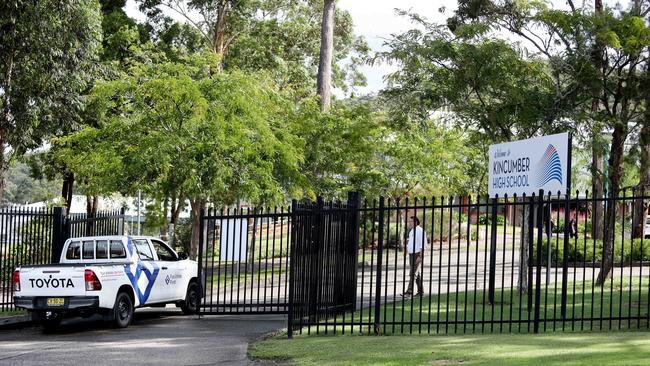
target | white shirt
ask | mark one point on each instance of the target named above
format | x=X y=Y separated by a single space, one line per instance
x=420 y=242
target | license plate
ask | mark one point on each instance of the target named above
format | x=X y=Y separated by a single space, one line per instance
x=55 y=301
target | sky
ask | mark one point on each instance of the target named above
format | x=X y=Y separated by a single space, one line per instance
x=375 y=20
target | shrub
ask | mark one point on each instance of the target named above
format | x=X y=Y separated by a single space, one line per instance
x=486 y=220
x=592 y=250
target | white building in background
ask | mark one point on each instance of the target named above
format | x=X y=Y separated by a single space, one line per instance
x=113 y=203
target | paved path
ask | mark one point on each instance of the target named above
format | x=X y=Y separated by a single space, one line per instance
x=156 y=337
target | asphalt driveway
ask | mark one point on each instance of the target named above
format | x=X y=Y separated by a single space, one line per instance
x=156 y=337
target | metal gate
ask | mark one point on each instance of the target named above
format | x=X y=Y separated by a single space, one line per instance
x=324 y=261
x=244 y=261
x=298 y=260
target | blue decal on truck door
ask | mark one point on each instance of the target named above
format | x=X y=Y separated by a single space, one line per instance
x=135 y=274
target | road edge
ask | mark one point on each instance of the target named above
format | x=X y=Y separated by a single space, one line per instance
x=15 y=321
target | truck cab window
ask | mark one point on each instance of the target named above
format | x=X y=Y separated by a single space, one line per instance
x=143 y=249
x=102 y=249
x=73 y=251
x=89 y=250
x=117 y=250
x=163 y=251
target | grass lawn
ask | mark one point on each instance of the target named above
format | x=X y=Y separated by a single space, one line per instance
x=250 y=277
x=451 y=314
x=614 y=348
x=6 y=313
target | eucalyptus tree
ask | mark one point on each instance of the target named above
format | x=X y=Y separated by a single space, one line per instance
x=324 y=78
x=281 y=37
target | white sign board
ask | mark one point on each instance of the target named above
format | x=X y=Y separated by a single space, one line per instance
x=233 y=242
x=526 y=166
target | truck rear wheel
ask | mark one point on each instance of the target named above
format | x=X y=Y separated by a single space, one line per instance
x=191 y=303
x=123 y=310
x=49 y=320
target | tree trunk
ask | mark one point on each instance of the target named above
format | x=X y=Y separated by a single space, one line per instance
x=598 y=187
x=615 y=174
x=596 y=150
x=66 y=190
x=522 y=280
x=640 y=211
x=324 y=80
x=196 y=206
x=92 y=203
x=3 y=170
x=176 y=210
x=163 y=227
x=219 y=38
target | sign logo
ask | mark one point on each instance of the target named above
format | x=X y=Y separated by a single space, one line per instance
x=549 y=167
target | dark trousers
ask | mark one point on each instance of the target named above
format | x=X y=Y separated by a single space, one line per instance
x=414 y=272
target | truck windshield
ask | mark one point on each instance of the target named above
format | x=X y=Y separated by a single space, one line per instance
x=143 y=248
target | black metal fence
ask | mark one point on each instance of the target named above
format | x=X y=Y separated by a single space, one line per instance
x=25 y=238
x=515 y=264
x=109 y=222
x=30 y=236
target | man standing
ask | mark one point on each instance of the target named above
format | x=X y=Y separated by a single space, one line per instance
x=414 y=248
x=573 y=228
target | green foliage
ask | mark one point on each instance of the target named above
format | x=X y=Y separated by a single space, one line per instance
x=592 y=250
x=281 y=38
x=179 y=127
x=183 y=236
x=30 y=246
x=47 y=54
x=487 y=220
x=21 y=188
x=486 y=81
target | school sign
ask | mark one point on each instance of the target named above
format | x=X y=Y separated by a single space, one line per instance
x=526 y=166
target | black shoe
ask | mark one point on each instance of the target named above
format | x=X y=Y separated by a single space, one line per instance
x=419 y=294
x=407 y=294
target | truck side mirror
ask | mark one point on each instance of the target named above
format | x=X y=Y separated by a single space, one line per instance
x=182 y=256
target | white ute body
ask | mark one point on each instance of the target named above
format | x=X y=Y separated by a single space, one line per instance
x=93 y=270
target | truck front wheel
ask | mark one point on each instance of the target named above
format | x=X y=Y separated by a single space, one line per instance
x=191 y=303
x=123 y=310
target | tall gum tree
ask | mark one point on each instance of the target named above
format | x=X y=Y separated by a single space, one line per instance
x=324 y=78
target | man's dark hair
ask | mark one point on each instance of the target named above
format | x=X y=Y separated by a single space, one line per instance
x=416 y=220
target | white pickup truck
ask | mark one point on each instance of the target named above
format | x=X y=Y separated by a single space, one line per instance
x=107 y=275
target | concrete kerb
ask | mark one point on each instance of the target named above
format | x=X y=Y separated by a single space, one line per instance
x=257 y=361
x=16 y=321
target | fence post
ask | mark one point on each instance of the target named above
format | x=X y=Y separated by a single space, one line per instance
x=200 y=260
x=379 y=260
x=314 y=250
x=493 y=250
x=292 y=259
x=540 y=239
x=353 y=210
x=59 y=233
x=120 y=223
x=565 y=257
x=531 y=252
